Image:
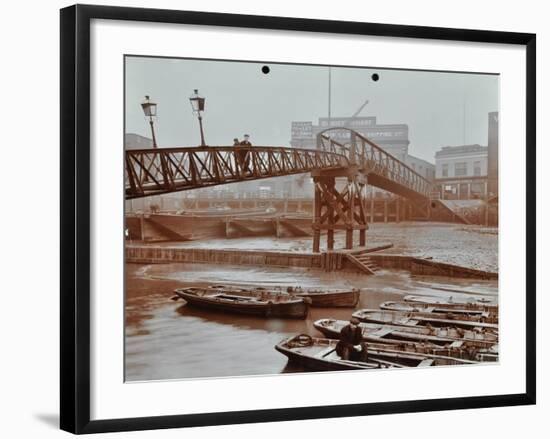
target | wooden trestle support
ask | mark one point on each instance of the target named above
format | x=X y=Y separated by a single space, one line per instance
x=339 y=209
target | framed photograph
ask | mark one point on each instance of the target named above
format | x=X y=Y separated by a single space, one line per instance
x=273 y=218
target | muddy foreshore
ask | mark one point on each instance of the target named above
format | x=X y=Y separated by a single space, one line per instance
x=169 y=340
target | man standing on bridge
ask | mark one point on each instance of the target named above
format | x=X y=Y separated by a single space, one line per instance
x=246 y=142
x=243 y=155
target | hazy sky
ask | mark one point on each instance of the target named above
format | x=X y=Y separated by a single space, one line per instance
x=439 y=108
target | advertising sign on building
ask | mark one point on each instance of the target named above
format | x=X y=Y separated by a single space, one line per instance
x=302 y=130
x=351 y=122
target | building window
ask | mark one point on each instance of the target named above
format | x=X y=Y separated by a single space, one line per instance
x=461 y=169
x=477 y=169
x=476 y=190
x=445 y=170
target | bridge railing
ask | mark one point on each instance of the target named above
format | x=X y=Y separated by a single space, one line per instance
x=369 y=156
x=162 y=170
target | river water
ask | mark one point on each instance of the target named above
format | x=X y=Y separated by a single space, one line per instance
x=169 y=340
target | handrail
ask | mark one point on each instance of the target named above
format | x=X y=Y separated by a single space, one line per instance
x=163 y=170
x=370 y=142
x=379 y=160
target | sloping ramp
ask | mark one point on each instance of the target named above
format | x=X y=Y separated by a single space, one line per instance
x=291 y=228
x=164 y=230
x=462 y=209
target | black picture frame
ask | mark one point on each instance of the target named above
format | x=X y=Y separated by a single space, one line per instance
x=75 y=217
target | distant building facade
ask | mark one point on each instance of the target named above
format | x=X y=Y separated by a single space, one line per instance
x=423 y=167
x=461 y=172
x=393 y=138
x=492 y=158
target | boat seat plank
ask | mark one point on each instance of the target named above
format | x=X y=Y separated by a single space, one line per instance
x=407 y=321
x=235 y=297
x=382 y=332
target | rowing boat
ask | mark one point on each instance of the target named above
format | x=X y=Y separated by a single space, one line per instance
x=447 y=343
x=260 y=304
x=469 y=309
x=416 y=356
x=320 y=354
x=395 y=334
x=342 y=298
x=337 y=298
x=422 y=318
x=453 y=302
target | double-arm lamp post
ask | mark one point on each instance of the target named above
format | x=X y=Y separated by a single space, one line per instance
x=197 y=104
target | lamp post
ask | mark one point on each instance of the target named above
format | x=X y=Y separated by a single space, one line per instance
x=150 y=111
x=197 y=104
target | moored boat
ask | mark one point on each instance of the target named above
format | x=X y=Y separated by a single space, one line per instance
x=336 y=298
x=446 y=337
x=260 y=304
x=469 y=309
x=345 y=298
x=320 y=354
x=422 y=318
x=452 y=301
x=441 y=341
x=408 y=355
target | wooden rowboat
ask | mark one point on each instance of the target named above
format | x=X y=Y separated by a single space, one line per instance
x=328 y=298
x=452 y=302
x=395 y=334
x=283 y=306
x=439 y=341
x=422 y=318
x=467 y=309
x=320 y=354
x=412 y=356
x=338 y=298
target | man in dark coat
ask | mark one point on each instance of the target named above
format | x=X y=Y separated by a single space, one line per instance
x=351 y=345
x=246 y=140
x=243 y=159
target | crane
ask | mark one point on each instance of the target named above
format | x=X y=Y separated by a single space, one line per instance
x=363 y=105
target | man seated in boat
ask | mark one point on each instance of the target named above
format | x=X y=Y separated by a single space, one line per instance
x=351 y=345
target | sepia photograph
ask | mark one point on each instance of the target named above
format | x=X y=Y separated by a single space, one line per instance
x=298 y=218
